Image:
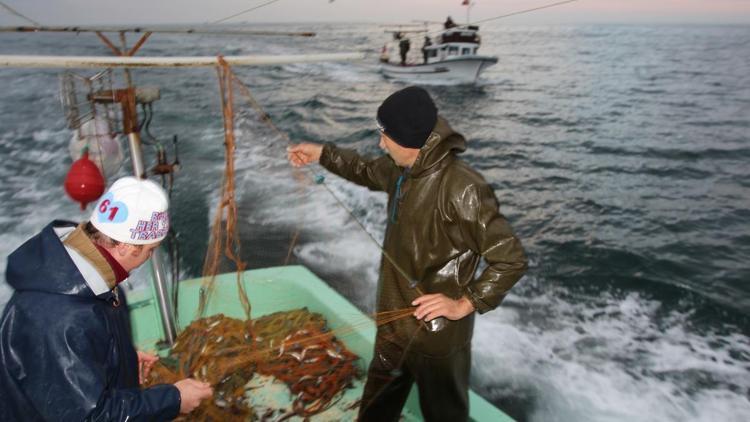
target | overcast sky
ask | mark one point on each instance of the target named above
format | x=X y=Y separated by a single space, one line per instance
x=88 y=12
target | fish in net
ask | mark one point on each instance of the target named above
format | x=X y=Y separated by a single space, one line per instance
x=295 y=347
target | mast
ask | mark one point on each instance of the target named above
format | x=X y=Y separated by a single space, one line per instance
x=153 y=29
x=131 y=129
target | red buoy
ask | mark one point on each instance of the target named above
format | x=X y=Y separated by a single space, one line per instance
x=84 y=182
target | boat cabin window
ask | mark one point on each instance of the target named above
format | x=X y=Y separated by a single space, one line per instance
x=465 y=51
x=453 y=51
x=475 y=50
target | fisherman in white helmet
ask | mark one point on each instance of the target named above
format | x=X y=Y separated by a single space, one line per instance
x=66 y=352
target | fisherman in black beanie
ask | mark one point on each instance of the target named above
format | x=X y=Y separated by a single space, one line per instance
x=407 y=117
x=443 y=218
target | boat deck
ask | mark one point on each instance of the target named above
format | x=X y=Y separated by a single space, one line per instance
x=279 y=289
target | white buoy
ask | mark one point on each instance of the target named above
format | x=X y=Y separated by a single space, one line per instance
x=104 y=148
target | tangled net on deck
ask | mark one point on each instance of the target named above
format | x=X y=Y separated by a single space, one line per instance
x=294 y=347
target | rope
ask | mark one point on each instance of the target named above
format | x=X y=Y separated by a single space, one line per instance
x=524 y=11
x=227 y=206
x=14 y=12
x=559 y=3
x=245 y=11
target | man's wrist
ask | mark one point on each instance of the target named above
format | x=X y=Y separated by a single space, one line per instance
x=465 y=306
x=325 y=153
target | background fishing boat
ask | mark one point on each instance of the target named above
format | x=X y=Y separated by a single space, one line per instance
x=452 y=58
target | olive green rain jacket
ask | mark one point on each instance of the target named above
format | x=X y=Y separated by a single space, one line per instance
x=442 y=218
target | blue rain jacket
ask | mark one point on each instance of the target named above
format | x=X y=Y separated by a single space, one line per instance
x=65 y=353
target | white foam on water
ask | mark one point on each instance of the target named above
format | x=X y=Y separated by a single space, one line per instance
x=5 y=290
x=598 y=359
x=350 y=257
x=610 y=359
x=353 y=73
x=275 y=194
x=595 y=359
x=279 y=194
x=33 y=199
x=605 y=358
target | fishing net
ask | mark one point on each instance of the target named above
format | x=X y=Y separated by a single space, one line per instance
x=235 y=356
x=214 y=350
x=225 y=241
x=295 y=347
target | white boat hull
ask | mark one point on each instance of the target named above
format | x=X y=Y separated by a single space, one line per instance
x=460 y=70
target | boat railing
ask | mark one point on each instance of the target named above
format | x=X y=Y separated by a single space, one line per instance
x=469 y=34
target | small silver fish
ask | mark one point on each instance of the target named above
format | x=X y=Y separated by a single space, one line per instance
x=334 y=354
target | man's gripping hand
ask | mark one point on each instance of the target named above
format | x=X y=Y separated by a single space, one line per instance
x=436 y=305
x=192 y=392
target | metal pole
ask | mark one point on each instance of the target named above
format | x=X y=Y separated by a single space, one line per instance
x=130 y=117
x=84 y=62
x=165 y=306
x=160 y=285
x=136 y=156
x=166 y=310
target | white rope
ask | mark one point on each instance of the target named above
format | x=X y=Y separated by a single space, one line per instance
x=245 y=11
x=524 y=11
x=506 y=15
x=11 y=10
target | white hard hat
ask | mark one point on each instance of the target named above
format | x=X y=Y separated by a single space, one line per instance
x=133 y=211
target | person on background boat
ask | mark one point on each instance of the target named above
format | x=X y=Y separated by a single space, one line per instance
x=403 y=48
x=384 y=56
x=448 y=24
x=66 y=352
x=427 y=43
x=443 y=218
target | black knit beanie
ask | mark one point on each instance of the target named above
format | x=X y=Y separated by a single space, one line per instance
x=408 y=116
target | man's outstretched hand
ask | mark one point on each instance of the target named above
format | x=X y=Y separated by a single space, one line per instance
x=303 y=154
